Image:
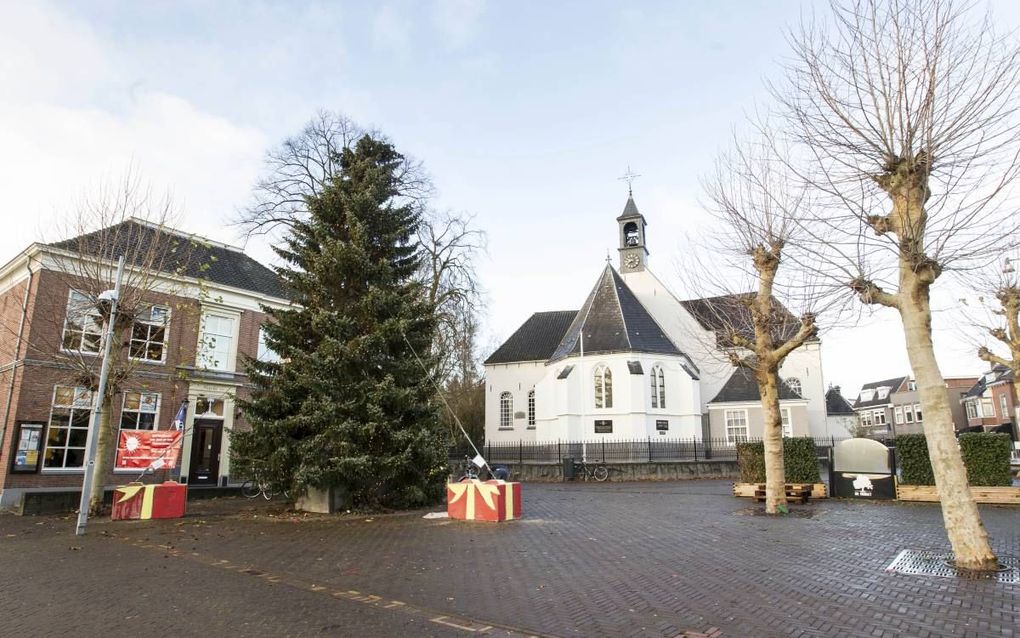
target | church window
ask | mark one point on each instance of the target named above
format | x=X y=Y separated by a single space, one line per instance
x=630 y=234
x=736 y=426
x=506 y=410
x=603 y=387
x=794 y=384
x=531 y=408
x=658 y=382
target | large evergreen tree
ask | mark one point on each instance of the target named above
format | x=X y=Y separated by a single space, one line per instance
x=350 y=405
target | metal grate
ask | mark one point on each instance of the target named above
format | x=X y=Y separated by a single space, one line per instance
x=931 y=563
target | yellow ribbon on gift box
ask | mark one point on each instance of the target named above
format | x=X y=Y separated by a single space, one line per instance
x=486 y=490
x=148 y=497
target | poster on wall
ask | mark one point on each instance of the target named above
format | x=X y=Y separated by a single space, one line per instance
x=28 y=440
x=142 y=449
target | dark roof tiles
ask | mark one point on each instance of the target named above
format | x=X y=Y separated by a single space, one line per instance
x=536 y=339
x=742 y=387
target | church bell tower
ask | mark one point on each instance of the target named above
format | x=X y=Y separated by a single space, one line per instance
x=633 y=253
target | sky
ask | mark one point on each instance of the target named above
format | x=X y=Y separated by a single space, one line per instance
x=525 y=114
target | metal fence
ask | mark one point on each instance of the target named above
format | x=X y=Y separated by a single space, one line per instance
x=650 y=450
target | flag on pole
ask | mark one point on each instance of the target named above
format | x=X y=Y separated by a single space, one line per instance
x=181 y=415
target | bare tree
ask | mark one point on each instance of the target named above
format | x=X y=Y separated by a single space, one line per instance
x=302 y=165
x=905 y=115
x=757 y=208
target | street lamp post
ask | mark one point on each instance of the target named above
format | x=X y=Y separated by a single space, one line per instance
x=92 y=444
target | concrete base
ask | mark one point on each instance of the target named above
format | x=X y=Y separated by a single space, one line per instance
x=327 y=501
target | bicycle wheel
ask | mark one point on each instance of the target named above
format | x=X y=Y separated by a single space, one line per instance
x=249 y=489
x=601 y=473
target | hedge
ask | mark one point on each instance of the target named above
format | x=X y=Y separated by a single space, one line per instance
x=986 y=455
x=912 y=458
x=799 y=458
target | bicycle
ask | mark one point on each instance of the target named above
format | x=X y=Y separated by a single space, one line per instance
x=253 y=488
x=471 y=471
x=598 y=471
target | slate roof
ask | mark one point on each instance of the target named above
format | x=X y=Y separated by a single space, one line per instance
x=742 y=387
x=194 y=258
x=630 y=210
x=893 y=385
x=836 y=403
x=614 y=321
x=536 y=339
x=1002 y=373
x=727 y=312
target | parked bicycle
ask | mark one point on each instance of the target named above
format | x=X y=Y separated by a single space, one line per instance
x=596 y=471
x=471 y=471
x=255 y=487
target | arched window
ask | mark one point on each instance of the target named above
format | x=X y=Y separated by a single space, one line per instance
x=506 y=410
x=603 y=387
x=531 y=408
x=794 y=384
x=662 y=386
x=658 y=382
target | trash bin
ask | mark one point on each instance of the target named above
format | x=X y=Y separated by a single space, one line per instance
x=568 y=469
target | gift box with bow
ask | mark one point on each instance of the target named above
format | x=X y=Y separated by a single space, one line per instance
x=137 y=501
x=474 y=500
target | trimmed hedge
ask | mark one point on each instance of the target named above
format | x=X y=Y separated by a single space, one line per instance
x=799 y=458
x=986 y=455
x=912 y=458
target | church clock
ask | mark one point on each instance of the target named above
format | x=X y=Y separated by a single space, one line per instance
x=632 y=261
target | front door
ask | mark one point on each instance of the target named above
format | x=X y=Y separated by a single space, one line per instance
x=205 y=452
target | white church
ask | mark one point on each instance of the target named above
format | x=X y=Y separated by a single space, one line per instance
x=636 y=362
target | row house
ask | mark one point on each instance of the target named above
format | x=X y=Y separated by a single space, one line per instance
x=874 y=405
x=990 y=402
x=892 y=406
x=199 y=318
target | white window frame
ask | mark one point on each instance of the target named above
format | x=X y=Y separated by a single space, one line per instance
x=794 y=384
x=908 y=413
x=898 y=415
x=658 y=386
x=867 y=395
x=1003 y=408
x=786 y=415
x=918 y=415
x=139 y=411
x=204 y=355
x=531 y=408
x=972 y=409
x=865 y=417
x=987 y=407
x=150 y=324
x=603 y=382
x=87 y=309
x=264 y=353
x=506 y=411
x=81 y=401
x=732 y=419
x=878 y=416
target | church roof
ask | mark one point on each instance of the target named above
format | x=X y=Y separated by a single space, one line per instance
x=727 y=312
x=629 y=210
x=742 y=387
x=536 y=339
x=836 y=403
x=614 y=321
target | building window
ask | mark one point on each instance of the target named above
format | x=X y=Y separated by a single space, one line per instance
x=216 y=343
x=917 y=413
x=265 y=353
x=908 y=414
x=506 y=410
x=603 y=387
x=898 y=415
x=794 y=384
x=866 y=419
x=83 y=324
x=972 y=410
x=148 y=334
x=736 y=426
x=139 y=411
x=531 y=408
x=658 y=381
x=207 y=408
x=69 y=428
x=911 y=386
x=883 y=392
x=787 y=418
x=878 y=416
x=987 y=409
x=1003 y=409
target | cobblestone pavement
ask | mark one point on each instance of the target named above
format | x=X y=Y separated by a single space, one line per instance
x=616 y=559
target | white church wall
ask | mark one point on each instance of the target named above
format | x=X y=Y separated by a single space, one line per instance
x=518 y=379
x=805 y=364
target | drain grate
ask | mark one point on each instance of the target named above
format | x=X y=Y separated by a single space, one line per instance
x=931 y=563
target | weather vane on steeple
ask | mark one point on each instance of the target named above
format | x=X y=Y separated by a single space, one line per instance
x=629 y=177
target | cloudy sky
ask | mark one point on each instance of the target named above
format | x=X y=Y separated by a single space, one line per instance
x=524 y=113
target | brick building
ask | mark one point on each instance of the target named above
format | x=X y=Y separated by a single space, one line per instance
x=198 y=322
x=990 y=403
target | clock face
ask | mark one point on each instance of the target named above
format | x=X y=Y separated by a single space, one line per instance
x=632 y=261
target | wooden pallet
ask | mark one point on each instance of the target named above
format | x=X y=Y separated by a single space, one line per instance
x=748 y=490
x=989 y=495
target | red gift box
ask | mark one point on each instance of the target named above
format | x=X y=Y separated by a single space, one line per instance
x=474 y=500
x=137 y=501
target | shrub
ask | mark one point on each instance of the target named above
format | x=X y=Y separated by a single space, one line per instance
x=912 y=458
x=798 y=458
x=986 y=455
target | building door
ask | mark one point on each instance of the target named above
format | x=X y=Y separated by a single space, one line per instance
x=205 y=452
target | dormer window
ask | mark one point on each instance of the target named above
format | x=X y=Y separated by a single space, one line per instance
x=867 y=395
x=883 y=392
x=911 y=385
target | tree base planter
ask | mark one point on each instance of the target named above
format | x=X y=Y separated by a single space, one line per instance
x=987 y=495
x=749 y=490
x=324 y=501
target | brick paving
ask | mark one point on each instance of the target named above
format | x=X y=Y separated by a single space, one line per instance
x=616 y=559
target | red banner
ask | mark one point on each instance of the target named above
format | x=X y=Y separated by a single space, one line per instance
x=140 y=449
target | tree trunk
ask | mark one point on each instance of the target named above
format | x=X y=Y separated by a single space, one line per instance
x=102 y=460
x=960 y=514
x=772 y=440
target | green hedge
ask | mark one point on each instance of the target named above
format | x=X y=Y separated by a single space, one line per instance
x=986 y=455
x=799 y=459
x=912 y=458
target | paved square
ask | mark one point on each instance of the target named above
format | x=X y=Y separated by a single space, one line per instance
x=616 y=559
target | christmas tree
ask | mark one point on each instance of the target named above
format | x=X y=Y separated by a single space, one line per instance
x=349 y=405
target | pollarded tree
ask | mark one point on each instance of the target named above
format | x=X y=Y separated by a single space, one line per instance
x=1003 y=324
x=905 y=114
x=350 y=404
x=757 y=209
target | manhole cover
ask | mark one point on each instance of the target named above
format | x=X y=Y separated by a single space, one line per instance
x=931 y=563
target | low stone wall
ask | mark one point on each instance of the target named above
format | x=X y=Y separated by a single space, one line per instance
x=662 y=471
